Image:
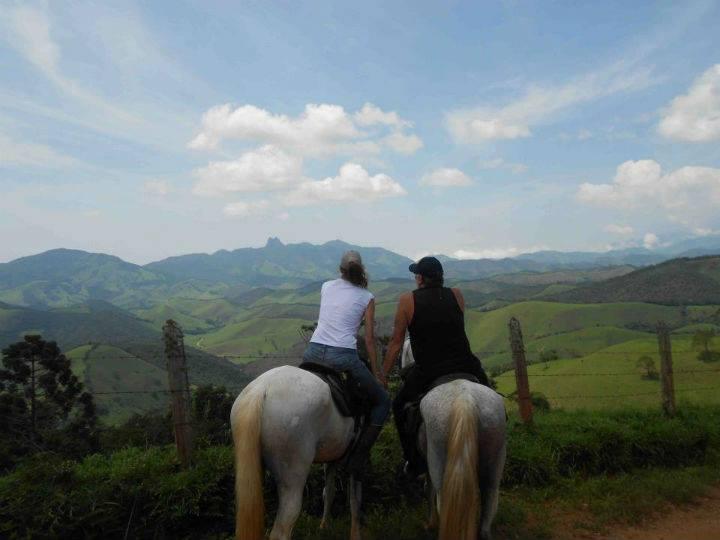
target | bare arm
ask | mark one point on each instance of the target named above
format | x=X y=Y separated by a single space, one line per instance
x=459 y=298
x=370 y=337
x=398 y=337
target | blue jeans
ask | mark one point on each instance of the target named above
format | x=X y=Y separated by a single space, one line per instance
x=343 y=359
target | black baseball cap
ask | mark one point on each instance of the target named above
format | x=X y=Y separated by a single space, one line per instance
x=427 y=266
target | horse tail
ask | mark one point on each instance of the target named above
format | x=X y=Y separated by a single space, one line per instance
x=459 y=497
x=249 y=503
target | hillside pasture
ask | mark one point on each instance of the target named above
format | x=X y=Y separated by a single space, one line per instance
x=257 y=336
x=122 y=384
x=571 y=329
x=610 y=378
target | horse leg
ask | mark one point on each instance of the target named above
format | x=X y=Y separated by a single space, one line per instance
x=328 y=493
x=434 y=519
x=490 y=493
x=290 y=479
x=355 y=511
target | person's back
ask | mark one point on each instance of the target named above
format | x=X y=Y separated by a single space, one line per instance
x=342 y=305
x=437 y=332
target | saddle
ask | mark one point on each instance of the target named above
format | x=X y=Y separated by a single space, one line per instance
x=343 y=389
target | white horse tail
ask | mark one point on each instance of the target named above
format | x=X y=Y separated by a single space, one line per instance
x=249 y=503
x=459 y=498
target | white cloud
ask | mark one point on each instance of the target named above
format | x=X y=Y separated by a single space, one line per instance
x=622 y=230
x=446 y=177
x=246 y=209
x=266 y=169
x=353 y=183
x=539 y=104
x=371 y=115
x=584 y=134
x=403 y=144
x=31 y=37
x=500 y=163
x=704 y=231
x=695 y=116
x=687 y=194
x=158 y=188
x=650 y=240
x=495 y=253
x=95 y=213
x=321 y=130
x=34 y=155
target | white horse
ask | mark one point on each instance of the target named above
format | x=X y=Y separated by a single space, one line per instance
x=286 y=419
x=463 y=439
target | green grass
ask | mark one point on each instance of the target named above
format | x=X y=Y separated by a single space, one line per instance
x=594 y=469
x=574 y=383
x=256 y=336
x=103 y=368
x=489 y=331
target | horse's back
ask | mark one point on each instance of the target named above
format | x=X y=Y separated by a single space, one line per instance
x=437 y=404
x=437 y=411
x=298 y=415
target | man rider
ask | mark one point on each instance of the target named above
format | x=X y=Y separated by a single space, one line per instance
x=434 y=316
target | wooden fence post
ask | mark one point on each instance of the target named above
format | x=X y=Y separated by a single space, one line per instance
x=666 y=369
x=521 y=377
x=179 y=390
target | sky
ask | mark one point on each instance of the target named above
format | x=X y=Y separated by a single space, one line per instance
x=472 y=129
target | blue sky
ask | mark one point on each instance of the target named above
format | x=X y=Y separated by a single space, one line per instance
x=473 y=129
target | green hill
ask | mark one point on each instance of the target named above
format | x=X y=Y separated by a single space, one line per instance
x=122 y=384
x=610 y=379
x=675 y=282
x=95 y=321
x=571 y=330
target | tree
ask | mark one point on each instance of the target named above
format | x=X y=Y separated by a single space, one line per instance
x=548 y=355
x=211 y=407
x=647 y=365
x=703 y=339
x=40 y=397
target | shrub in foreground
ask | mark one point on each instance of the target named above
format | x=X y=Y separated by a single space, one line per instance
x=143 y=493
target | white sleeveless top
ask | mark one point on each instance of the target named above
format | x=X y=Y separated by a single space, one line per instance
x=342 y=306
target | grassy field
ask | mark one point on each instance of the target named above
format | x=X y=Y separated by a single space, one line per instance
x=259 y=336
x=610 y=379
x=103 y=368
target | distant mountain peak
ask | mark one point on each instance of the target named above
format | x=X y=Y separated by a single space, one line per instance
x=274 y=241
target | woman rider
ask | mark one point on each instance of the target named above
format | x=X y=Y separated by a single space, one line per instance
x=344 y=303
x=434 y=317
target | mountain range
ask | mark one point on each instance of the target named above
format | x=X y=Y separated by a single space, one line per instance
x=64 y=277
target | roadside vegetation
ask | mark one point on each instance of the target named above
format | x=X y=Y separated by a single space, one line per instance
x=604 y=466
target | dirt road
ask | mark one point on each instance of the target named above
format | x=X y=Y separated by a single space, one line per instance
x=699 y=521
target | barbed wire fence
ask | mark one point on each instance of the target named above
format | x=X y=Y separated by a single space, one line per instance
x=179 y=388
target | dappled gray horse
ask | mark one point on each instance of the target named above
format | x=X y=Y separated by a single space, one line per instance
x=286 y=419
x=463 y=440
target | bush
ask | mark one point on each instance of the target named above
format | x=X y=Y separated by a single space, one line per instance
x=709 y=356
x=145 y=492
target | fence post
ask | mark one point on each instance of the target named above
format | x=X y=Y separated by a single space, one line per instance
x=666 y=369
x=521 y=377
x=179 y=390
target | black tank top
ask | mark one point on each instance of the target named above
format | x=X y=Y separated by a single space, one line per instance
x=437 y=333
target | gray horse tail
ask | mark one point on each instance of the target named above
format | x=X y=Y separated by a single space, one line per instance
x=246 y=419
x=459 y=498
